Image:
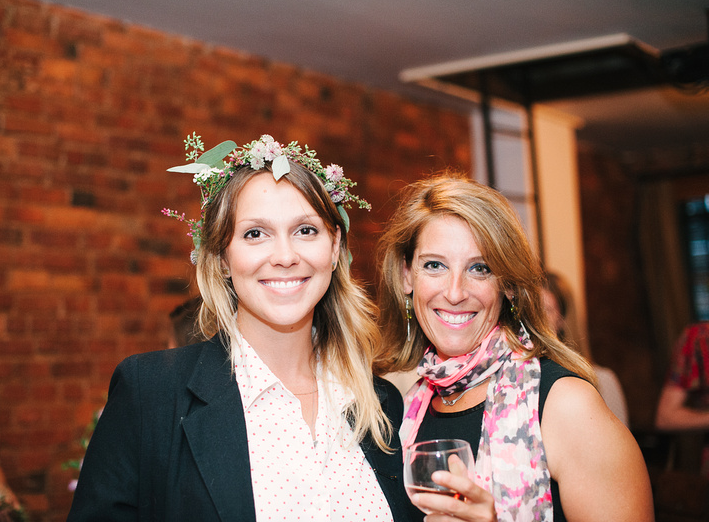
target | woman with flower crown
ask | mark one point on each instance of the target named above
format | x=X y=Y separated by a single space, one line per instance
x=461 y=301
x=278 y=415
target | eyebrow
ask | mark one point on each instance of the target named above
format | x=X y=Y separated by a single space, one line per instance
x=267 y=222
x=429 y=255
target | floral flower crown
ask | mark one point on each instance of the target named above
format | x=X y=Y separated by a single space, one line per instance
x=212 y=173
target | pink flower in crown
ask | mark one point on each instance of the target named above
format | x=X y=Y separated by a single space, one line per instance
x=334 y=173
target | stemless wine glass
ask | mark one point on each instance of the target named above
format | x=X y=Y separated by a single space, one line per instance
x=423 y=458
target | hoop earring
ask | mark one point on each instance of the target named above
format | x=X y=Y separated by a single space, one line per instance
x=409 y=316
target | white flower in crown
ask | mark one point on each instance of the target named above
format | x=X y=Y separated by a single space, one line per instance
x=205 y=175
x=263 y=150
x=258 y=156
x=334 y=173
x=273 y=148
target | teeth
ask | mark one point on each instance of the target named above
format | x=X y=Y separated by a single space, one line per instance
x=455 y=319
x=283 y=284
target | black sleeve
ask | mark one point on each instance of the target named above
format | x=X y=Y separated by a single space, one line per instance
x=108 y=482
x=388 y=467
x=392 y=403
x=551 y=372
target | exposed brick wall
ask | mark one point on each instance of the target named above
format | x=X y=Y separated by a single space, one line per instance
x=92 y=112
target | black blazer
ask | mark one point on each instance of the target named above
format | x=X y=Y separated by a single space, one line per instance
x=171 y=443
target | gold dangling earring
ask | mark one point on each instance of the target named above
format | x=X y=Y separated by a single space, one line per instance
x=409 y=316
x=513 y=309
x=523 y=333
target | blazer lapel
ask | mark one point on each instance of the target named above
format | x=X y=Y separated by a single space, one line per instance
x=216 y=433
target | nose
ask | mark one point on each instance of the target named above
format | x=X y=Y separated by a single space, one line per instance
x=284 y=253
x=456 y=290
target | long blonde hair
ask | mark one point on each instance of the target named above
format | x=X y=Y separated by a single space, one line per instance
x=346 y=335
x=506 y=250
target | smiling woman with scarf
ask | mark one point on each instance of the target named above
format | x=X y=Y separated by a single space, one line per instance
x=461 y=302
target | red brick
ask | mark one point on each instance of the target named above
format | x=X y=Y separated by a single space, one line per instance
x=76 y=26
x=83 y=325
x=10 y=236
x=35 y=369
x=72 y=218
x=13 y=393
x=16 y=346
x=70 y=283
x=38 y=458
x=97 y=241
x=7 y=302
x=66 y=262
x=26 y=214
x=74 y=368
x=27 y=280
x=44 y=392
x=72 y=391
x=54 y=238
x=27 y=415
x=35 y=302
x=15 y=123
x=103 y=345
x=60 y=415
x=56 y=344
x=22 y=42
x=4 y=419
x=16 y=325
x=7 y=369
x=106 y=369
x=39 y=149
x=34 y=503
x=47 y=346
x=24 y=102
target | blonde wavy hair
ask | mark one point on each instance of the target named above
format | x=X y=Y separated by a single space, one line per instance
x=503 y=243
x=345 y=331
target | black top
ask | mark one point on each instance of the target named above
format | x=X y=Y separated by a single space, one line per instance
x=467 y=424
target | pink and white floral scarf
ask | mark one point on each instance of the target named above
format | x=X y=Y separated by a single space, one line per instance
x=511 y=463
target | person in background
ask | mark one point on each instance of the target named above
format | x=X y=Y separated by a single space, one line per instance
x=559 y=303
x=278 y=415
x=460 y=294
x=10 y=508
x=684 y=398
x=184 y=320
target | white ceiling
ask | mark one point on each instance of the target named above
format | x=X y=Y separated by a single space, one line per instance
x=372 y=41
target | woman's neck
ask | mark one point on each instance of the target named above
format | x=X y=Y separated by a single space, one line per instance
x=462 y=401
x=288 y=352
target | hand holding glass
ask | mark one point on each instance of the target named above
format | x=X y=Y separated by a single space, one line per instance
x=423 y=458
